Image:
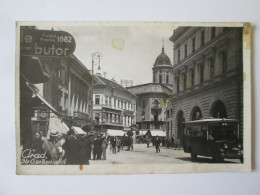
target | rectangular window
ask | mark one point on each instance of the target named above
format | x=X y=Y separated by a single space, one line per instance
x=213 y=33
x=177 y=84
x=179 y=55
x=192 y=76
x=118 y=103
x=193 y=44
x=109 y=101
x=201 y=73
x=143 y=104
x=62 y=75
x=106 y=100
x=97 y=117
x=185 y=50
x=184 y=81
x=97 y=99
x=212 y=68
x=202 y=38
x=114 y=102
x=224 y=62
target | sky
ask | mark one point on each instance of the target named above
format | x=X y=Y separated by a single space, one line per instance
x=129 y=50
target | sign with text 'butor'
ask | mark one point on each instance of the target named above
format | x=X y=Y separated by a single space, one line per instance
x=46 y=43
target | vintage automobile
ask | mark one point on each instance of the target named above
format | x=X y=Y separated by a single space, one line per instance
x=213 y=137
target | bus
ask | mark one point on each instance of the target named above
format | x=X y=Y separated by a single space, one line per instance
x=213 y=137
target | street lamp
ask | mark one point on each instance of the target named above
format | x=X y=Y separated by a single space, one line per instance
x=96 y=57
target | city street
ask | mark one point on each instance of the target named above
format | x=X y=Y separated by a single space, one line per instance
x=142 y=154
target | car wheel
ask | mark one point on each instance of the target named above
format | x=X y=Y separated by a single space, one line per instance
x=193 y=156
x=218 y=159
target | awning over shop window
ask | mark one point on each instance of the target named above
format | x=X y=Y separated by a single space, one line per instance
x=55 y=123
x=112 y=132
x=78 y=130
x=141 y=133
x=160 y=133
x=47 y=103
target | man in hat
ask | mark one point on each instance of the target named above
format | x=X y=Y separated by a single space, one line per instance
x=71 y=147
x=104 y=147
x=51 y=147
x=157 y=144
x=96 y=149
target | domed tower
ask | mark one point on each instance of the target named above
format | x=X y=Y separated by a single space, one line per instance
x=162 y=70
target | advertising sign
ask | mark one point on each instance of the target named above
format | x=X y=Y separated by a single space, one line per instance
x=46 y=43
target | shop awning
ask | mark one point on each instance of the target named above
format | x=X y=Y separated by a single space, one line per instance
x=141 y=133
x=112 y=132
x=160 y=133
x=78 y=130
x=55 y=123
x=47 y=103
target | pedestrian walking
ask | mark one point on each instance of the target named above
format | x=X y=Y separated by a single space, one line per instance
x=51 y=147
x=113 y=143
x=89 y=147
x=96 y=144
x=104 y=148
x=83 y=150
x=118 y=144
x=172 y=140
x=37 y=144
x=148 y=142
x=100 y=151
x=71 y=147
x=157 y=144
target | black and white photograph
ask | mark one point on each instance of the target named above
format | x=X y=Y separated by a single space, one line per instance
x=132 y=97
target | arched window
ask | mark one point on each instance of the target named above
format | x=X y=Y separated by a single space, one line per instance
x=195 y=113
x=218 y=110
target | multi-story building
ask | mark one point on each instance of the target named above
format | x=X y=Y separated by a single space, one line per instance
x=153 y=97
x=114 y=107
x=207 y=76
x=68 y=89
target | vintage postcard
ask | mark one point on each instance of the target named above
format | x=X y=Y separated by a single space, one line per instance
x=132 y=97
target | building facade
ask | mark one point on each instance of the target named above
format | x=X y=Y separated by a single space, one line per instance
x=68 y=90
x=153 y=97
x=151 y=105
x=207 y=76
x=114 y=107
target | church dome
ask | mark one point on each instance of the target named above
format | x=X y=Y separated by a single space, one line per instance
x=162 y=59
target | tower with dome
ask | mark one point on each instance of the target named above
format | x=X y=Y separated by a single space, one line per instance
x=162 y=70
x=153 y=98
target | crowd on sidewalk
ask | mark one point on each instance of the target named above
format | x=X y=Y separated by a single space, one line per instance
x=70 y=149
x=73 y=149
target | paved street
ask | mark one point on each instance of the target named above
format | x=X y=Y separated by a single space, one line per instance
x=142 y=154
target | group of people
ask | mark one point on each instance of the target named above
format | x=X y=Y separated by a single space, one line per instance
x=117 y=144
x=74 y=149
x=157 y=141
x=99 y=149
